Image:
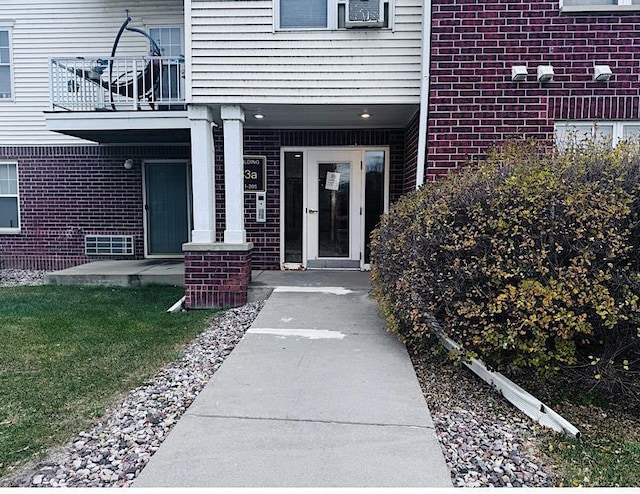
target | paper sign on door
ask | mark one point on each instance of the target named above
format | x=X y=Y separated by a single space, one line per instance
x=333 y=181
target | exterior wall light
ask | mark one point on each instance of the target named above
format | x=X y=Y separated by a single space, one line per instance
x=519 y=73
x=259 y=116
x=602 y=73
x=364 y=115
x=128 y=164
x=545 y=73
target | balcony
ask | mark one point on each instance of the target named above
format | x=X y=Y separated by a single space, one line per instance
x=116 y=83
x=118 y=99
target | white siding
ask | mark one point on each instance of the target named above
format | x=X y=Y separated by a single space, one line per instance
x=50 y=28
x=238 y=58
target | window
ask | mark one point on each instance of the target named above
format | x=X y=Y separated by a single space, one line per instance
x=293 y=206
x=9 y=203
x=303 y=14
x=614 y=132
x=5 y=64
x=169 y=39
x=316 y=14
x=598 y=5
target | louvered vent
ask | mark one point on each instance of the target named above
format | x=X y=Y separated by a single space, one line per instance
x=108 y=245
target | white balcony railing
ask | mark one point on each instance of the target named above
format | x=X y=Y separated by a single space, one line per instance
x=116 y=83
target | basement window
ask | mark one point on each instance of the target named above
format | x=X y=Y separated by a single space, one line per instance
x=598 y=5
x=569 y=132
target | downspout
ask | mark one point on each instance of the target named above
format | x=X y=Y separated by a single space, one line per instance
x=424 y=93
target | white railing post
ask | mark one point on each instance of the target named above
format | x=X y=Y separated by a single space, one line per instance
x=51 y=104
x=135 y=85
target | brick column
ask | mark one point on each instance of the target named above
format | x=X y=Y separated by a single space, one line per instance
x=216 y=275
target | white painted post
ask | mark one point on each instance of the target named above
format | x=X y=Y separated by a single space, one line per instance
x=232 y=124
x=135 y=85
x=52 y=75
x=203 y=177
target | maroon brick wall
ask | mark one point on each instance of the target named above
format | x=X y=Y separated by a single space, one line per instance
x=411 y=153
x=69 y=192
x=475 y=105
x=216 y=279
x=266 y=236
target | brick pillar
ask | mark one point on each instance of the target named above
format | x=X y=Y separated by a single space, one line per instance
x=216 y=275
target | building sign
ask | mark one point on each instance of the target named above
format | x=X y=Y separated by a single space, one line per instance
x=255 y=173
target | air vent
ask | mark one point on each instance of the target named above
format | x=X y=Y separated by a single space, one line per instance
x=108 y=245
x=364 y=13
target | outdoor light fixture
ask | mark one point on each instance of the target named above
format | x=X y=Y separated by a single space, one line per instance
x=128 y=164
x=259 y=116
x=545 y=73
x=365 y=115
x=519 y=73
x=601 y=73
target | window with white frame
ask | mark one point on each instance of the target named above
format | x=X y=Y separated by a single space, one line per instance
x=5 y=64
x=9 y=201
x=595 y=5
x=170 y=41
x=304 y=14
x=319 y=14
x=613 y=132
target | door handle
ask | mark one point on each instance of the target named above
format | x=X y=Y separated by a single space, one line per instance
x=313 y=211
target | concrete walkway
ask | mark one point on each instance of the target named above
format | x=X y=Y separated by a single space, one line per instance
x=316 y=394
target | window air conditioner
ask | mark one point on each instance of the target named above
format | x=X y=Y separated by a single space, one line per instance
x=364 y=13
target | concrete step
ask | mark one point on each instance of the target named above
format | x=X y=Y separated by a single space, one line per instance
x=121 y=273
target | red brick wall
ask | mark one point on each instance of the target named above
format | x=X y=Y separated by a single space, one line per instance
x=411 y=153
x=266 y=236
x=216 y=279
x=475 y=105
x=69 y=192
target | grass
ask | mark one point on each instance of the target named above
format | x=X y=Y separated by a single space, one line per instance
x=66 y=354
x=608 y=452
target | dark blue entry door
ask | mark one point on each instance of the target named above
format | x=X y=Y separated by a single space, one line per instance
x=166 y=208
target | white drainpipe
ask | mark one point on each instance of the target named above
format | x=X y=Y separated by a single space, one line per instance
x=424 y=93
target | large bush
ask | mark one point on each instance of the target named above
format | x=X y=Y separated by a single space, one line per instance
x=529 y=260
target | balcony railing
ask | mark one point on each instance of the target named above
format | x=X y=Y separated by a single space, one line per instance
x=116 y=83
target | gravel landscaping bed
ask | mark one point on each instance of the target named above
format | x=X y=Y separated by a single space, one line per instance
x=16 y=277
x=486 y=442
x=114 y=452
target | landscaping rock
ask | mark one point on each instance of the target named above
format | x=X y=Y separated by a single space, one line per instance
x=21 y=277
x=485 y=441
x=114 y=452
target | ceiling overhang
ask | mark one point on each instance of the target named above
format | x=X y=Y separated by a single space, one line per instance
x=173 y=127
x=324 y=116
x=123 y=127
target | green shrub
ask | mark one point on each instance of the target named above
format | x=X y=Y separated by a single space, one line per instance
x=529 y=260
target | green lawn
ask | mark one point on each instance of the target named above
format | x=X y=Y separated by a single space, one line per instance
x=67 y=352
x=608 y=451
